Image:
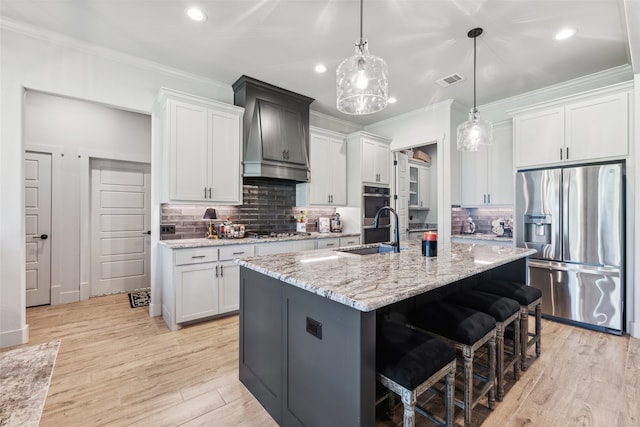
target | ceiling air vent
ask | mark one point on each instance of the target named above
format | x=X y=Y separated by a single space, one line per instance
x=450 y=80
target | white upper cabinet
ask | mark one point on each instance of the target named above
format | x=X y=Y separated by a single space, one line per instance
x=375 y=160
x=418 y=185
x=328 y=184
x=487 y=174
x=592 y=126
x=202 y=142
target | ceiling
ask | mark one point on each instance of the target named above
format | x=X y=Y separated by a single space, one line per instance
x=281 y=41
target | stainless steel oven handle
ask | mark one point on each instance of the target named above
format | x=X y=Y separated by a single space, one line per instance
x=372 y=227
x=375 y=195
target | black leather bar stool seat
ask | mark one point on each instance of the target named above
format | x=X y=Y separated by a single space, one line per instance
x=467 y=330
x=506 y=312
x=530 y=300
x=409 y=362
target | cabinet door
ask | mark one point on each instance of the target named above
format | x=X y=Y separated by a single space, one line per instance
x=539 y=137
x=229 y=286
x=320 y=170
x=500 y=167
x=224 y=154
x=196 y=292
x=369 y=169
x=414 y=178
x=423 y=186
x=597 y=128
x=473 y=177
x=188 y=161
x=337 y=171
x=382 y=162
x=293 y=132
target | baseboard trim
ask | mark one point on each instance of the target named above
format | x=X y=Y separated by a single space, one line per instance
x=67 y=297
x=16 y=337
x=155 y=310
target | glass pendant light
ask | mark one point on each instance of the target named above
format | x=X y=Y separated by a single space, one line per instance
x=475 y=132
x=362 y=80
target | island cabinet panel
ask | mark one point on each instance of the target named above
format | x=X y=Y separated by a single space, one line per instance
x=322 y=348
x=296 y=345
x=261 y=367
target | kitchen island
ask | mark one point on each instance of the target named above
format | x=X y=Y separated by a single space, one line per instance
x=308 y=321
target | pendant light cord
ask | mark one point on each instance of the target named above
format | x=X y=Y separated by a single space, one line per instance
x=474 y=73
x=361 y=19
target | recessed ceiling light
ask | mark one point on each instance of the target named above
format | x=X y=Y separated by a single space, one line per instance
x=565 y=33
x=196 y=14
x=392 y=100
x=320 y=68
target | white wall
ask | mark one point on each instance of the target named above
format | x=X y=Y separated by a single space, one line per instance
x=33 y=59
x=74 y=132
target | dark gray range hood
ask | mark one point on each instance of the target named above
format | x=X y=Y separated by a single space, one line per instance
x=276 y=130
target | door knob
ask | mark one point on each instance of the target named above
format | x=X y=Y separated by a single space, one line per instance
x=146 y=232
x=42 y=236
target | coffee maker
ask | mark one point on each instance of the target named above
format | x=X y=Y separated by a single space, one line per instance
x=336 y=223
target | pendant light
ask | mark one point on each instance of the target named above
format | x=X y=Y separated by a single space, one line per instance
x=475 y=132
x=362 y=80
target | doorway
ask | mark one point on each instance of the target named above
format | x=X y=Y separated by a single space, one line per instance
x=37 y=211
x=120 y=226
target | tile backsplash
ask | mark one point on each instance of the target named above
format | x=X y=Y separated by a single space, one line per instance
x=268 y=205
x=482 y=217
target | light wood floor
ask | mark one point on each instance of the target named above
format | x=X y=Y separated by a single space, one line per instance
x=119 y=367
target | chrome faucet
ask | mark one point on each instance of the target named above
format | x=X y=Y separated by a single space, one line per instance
x=375 y=225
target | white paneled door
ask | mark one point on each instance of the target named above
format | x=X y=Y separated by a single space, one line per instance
x=37 y=210
x=120 y=235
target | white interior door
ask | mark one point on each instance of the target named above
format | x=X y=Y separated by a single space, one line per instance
x=37 y=210
x=402 y=190
x=120 y=235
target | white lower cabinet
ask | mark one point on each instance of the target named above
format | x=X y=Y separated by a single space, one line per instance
x=196 y=292
x=198 y=283
x=201 y=282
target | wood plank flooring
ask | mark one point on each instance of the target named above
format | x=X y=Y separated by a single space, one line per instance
x=119 y=367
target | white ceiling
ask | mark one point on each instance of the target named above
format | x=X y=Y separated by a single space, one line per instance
x=280 y=41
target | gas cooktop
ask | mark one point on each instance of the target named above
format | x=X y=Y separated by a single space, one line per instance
x=266 y=235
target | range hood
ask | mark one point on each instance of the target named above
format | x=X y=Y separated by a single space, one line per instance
x=276 y=130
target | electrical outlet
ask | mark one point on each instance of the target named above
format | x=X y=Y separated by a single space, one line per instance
x=167 y=229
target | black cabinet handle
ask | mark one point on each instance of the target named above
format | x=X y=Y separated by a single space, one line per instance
x=561 y=154
x=216 y=271
x=222 y=271
x=198 y=256
x=567 y=153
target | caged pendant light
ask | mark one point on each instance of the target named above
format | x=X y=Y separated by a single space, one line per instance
x=475 y=132
x=362 y=80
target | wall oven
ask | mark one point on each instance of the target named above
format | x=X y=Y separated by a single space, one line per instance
x=373 y=198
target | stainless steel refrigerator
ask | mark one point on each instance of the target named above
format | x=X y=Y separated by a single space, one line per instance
x=574 y=217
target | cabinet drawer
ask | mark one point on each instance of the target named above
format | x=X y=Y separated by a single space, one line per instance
x=284 y=247
x=195 y=255
x=349 y=241
x=237 y=251
x=328 y=243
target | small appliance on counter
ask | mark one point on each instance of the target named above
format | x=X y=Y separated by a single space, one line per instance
x=336 y=224
x=469 y=227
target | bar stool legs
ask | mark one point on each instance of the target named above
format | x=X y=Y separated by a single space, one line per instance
x=527 y=343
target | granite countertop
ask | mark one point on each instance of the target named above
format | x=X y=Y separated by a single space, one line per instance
x=369 y=282
x=198 y=243
x=483 y=236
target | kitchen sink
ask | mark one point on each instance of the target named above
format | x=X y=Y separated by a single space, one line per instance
x=368 y=250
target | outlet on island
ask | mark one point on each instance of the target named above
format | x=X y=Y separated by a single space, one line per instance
x=167 y=229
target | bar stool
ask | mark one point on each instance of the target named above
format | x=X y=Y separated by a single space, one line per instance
x=467 y=330
x=409 y=362
x=506 y=312
x=530 y=300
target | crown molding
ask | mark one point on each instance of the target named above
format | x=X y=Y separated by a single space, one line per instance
x=64 y=41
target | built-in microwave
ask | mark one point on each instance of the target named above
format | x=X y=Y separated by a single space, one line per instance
x=374 y=198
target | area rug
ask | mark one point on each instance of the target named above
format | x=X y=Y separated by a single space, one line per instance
x=140 y=298
x=25 y=375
